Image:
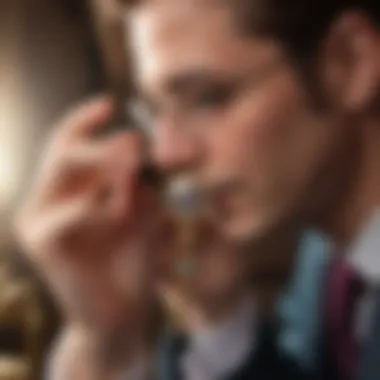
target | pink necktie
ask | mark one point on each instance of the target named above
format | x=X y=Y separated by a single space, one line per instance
x=345 y=288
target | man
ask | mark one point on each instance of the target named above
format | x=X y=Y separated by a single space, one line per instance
x=287 y=93
x=272 y=106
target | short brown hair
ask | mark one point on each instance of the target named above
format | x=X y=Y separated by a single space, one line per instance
x=298 y=24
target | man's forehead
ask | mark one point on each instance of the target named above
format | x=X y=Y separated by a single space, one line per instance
x=167 y=15
x=191 y=33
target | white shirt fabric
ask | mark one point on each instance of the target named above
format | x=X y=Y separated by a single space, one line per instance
x=364 y=253
x=221 y=349
x=364 y=256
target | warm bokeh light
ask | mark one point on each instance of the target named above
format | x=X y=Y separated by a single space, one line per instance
x=11 y=145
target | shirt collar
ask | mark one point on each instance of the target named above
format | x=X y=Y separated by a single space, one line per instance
x=364 y=252
x=222 y=347
x=241 y=320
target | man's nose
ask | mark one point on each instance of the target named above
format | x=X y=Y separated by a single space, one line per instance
x=174 y=150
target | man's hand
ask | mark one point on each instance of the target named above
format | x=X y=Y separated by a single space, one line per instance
x=100 y=239
x=88 y=226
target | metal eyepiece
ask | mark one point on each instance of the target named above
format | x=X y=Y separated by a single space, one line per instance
x=185 y=196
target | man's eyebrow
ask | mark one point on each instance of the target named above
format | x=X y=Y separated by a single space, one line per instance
x=183 y=82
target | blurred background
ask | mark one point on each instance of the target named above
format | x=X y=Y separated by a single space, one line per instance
x=53 y=53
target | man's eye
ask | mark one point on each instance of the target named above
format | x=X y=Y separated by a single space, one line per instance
x=216 y=97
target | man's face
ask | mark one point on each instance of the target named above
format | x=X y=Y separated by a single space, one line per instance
x=231 y=110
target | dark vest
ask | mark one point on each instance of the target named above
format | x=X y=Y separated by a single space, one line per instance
x=264 y=362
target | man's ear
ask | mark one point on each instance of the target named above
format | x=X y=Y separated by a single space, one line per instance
x=350 y=62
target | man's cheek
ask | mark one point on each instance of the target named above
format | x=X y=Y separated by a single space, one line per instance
x=239 y=147
x=255 y=149
x=258 y=127
x=249 y=139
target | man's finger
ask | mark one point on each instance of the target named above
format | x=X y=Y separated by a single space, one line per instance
x=63 y=219
x=124 y=174
x=94 y=154
x=87 y=118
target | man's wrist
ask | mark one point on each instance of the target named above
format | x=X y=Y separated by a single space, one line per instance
x=114 y=349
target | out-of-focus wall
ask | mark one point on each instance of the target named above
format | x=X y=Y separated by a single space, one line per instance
x=44 y=68
x=46 y=65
